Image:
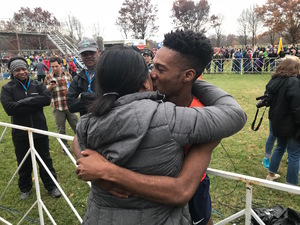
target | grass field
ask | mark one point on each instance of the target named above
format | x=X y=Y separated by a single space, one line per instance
x=242 y=153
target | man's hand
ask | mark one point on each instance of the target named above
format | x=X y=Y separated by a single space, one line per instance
x=92 y=166
x=52 y=86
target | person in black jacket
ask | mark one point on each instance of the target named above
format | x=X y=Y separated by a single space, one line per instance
x=284 y=114
x=80 y=92
x=23 y=99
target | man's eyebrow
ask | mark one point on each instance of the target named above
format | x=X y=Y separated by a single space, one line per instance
x=160 y=65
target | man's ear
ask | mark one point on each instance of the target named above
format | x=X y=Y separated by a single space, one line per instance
x=189 y=75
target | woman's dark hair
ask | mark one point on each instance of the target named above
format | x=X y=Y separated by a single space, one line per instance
x=13 y=59
x=120 y=71
x=288 y=67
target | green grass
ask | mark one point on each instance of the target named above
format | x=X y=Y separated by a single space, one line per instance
x=245 y=148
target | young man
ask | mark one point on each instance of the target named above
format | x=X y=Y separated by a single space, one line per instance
x=177 y=65
x=80 y=92
x=41 y=67
x=57 y=83
x=23 y=99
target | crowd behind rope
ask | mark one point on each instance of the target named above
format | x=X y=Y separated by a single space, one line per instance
x=245 y=59
x=68 y=62
x=249 y=59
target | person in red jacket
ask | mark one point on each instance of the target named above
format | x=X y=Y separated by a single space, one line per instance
x=72 y=68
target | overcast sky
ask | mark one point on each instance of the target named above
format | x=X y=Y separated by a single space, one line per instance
x=106 y=12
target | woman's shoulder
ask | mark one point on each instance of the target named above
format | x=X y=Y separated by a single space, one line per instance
x=293 y=81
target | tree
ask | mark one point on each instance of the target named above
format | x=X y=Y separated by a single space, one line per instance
x=254 y=22
x=97 y=31
x=231 y=40
x=36 y=20
x=243 y=25
x=122 y=22
x=74 y=27
x=282 y=17
x=137 y=17
x=189 y=15
x=217 y=22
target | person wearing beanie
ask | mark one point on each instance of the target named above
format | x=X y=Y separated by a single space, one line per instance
x=23 y=99
x=41 y=67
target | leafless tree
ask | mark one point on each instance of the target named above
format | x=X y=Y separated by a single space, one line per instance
x=216 y=23
x=74 y=27
x=243 y=26
x=122 y=23
x=96 y=30
x=254 y=23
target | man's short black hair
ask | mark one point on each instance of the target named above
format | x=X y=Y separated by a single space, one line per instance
x=55 y=59
x=195 y=48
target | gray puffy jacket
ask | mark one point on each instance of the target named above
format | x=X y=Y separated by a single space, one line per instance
x=146 y=135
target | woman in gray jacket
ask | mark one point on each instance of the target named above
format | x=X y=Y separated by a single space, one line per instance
x=132 y=127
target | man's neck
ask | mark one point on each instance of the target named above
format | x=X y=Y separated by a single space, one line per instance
x=91 y=69
x=57 y=74
x=183 y=99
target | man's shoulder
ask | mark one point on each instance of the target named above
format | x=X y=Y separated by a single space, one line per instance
x=80 y=75
x=9 y=84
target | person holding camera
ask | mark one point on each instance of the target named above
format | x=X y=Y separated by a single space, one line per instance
x=263 y=102
x=284 y=99
x=57 y=83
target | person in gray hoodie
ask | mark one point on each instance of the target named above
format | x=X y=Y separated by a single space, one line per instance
x=41 y=67
x=132 y=127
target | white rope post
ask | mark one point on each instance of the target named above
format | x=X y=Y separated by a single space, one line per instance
x=15 y=173
x=2 y=135
x=4 y=221
x=248 y=204
x=36 y=178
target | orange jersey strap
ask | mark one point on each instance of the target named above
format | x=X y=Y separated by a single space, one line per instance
x=195 y=103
